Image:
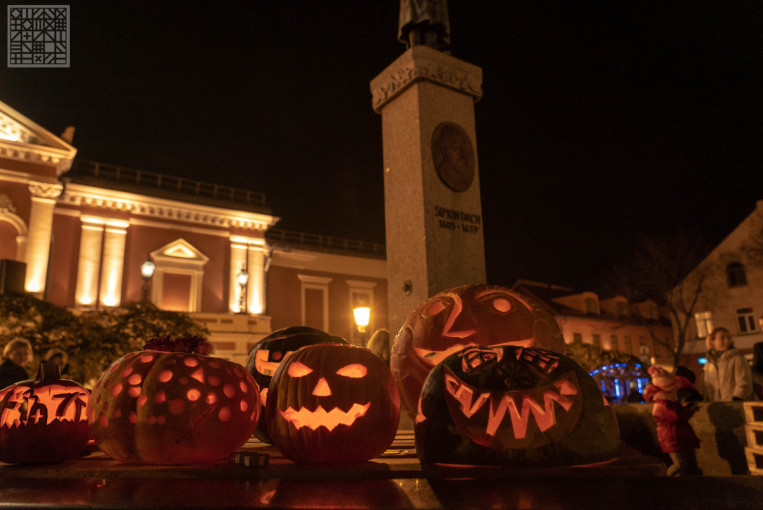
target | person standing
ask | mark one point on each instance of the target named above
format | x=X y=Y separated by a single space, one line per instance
x=727 y=374
x=17 y=354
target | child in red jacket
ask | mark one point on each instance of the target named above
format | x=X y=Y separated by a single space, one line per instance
x=674 y=400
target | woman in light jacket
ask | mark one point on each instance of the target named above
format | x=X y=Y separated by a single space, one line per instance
x=727 y=374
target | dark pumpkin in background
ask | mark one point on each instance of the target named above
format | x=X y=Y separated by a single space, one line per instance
x=332 y=403
x=464 y=316
x=513 y=406
x=173 y=407
x=269 y=352
x=44 y=420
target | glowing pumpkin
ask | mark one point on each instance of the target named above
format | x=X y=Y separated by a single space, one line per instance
x=44 y=420
x=332 y=403
x=513 y=406
x=457 y=318
x=173 y=406
x=265 y=357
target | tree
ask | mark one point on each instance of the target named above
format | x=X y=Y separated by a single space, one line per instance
x=672 y=272
x=92 y=339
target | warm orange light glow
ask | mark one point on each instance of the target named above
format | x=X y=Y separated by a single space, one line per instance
x=354 y=371
x=297 y=369
x=322 y=389
x=362 y=316
x=322 y=418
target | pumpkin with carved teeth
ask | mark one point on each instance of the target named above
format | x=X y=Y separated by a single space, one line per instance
x=505 y=405
x=465 y=316
x=332 y=403
x=269 y=352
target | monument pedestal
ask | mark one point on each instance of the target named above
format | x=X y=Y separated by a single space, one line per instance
x=433 y=210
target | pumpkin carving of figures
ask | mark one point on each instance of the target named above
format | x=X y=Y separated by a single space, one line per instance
x=44 y=420
x=173 y=404
x=269 y=352
x=505 y=405
x=465 y=316
x=332 y=403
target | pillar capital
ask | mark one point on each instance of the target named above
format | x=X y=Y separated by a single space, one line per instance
x=45 y=190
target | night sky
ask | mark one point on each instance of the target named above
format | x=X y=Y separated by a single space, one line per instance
x=600 y=123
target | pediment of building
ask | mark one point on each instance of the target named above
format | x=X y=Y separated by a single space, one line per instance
x=24 y=140
x=179 y=252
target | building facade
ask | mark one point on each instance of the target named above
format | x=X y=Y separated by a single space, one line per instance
x=83 y=230
x=732 y=289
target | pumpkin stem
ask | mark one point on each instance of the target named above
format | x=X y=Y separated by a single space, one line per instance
x=168 y=343
x=48 y=372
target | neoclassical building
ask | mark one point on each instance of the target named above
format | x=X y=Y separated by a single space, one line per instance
x=80 y=231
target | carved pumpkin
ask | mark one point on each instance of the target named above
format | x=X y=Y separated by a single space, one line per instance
x=173 y=406
x=265 y=357
x=332 y=403
x=469 y=315
x=44 y=420
x=513 y=406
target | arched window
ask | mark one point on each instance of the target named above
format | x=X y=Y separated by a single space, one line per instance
x=591 y=305
x=735 y=275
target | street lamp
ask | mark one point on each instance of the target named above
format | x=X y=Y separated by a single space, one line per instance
x=362 y=316
x=147 y=271
x=243 y=279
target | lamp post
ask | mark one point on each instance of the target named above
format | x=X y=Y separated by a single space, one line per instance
x=243 y=279
x=147 y=271
x=362 y=317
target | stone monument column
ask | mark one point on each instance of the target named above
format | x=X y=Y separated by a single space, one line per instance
x=433 y=211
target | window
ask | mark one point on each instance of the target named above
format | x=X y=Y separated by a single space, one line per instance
x=577 y=337
x=591 y=306
x=746 y=320
x=735 y=275
x=656 y=348
x=628 y=345
x=613 y=345
x=597 y=340
x=704 y=322
x=622 y=308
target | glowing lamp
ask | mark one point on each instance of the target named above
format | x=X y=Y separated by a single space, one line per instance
x=331 y=403
x=362 y=316
x=516 y=406
x=44 y=420
x=242 y=277
x=173 y=404
x=147 y=269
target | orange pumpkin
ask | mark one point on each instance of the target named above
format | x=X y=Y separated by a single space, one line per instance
x=332 y=403
x=461 y=317
x=44 y=420
x=160 y=407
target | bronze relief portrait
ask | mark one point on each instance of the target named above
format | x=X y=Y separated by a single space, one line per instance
x=453 y=156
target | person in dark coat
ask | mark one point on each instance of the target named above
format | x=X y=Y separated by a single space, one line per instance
x=17 y=354
x=674 y=400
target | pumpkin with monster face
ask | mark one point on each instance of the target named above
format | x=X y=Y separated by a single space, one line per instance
x=173 y=404
x=516 y=406
x=463 y=316
x=44 y=420
x=265 y=357
x=332 y=403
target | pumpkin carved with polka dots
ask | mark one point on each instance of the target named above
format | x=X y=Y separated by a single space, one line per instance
x=466 y=316
x=173 y=404
x=332 y=403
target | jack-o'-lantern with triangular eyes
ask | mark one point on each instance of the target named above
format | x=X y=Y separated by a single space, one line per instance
x=513 y=406
x=269 y=352
x=461 y=317
x=332 y=403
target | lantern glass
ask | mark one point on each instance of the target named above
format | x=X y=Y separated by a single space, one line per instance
x=242 y=277
x=147 y=269
x=362 y=316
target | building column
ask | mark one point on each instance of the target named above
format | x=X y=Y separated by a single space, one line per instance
x=247 y=253
x=113 y=263
x=91 y=240
x=38 y=241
